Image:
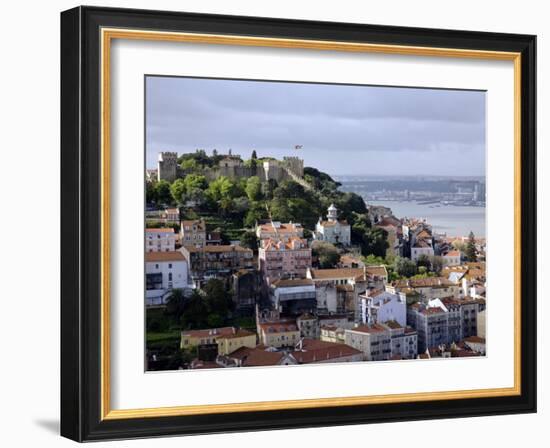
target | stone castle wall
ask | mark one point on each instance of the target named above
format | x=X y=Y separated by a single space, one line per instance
x=287 y=169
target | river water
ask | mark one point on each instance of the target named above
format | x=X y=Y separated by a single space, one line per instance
x=450 y=219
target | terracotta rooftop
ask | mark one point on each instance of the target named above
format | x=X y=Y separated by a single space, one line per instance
x=278 y=327
x=432 y=282
x=333 y=223
x=164 y=256
x=475 y=340
x=379 y=271
x=218 y=332
x=394 y=325
x=433 y=310
x=160 y=230
x=240 y=333
x=281 y=228
x=195 y=222
x=333 y=274
x=218 y=249
x=314 y=350
x=255 y=357
x=376 y=328
x=453 y=253
x=289 y=283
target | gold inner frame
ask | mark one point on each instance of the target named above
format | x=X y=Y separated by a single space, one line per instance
x=107 y=35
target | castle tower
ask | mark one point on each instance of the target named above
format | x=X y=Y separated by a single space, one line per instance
x=332 y=215
x=167 y=166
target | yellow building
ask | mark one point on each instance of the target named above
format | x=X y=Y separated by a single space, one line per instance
x=279 y=334
x=230 y=343
x=193 y=338
x=228 y=339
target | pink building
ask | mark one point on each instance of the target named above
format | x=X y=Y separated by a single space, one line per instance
x=278 y=259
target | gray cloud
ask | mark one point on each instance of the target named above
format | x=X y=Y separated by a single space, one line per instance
x=344 y=129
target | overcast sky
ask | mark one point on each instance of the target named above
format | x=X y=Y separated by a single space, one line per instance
x=343 y=129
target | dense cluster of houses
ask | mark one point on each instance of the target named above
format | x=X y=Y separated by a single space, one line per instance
x=305 y=314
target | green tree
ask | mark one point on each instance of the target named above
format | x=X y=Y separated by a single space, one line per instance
x=471 y=252
x=423 y=261
x=218 y=299
x=175 y=305
x=150 y=193
x=350 y=205
x=178 y=190
x=326 y=253
x=405 y=267
x=437 y=264
x=195 y=312
x=288 y=189
x=373 y=260
x=189 y=165
x=195 y=181
x=254 y=188
x=249 y=240
x=223 y=188
x=376 y=242
x=256 y=212
x=163 y=193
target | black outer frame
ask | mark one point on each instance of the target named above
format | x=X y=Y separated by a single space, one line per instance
x=80 y=224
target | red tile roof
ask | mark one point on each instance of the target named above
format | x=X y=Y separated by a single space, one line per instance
x=164 y=256
x=314 y=350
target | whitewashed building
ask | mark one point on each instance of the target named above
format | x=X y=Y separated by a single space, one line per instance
x=164 y=271
x=452 y=258
x=333 y=230
x=383 y=306
x=160 y=240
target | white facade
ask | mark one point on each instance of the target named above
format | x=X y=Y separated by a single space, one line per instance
x=160 y=240
x=164 y=271
x=451 y=258
x=416 y=252
x=384 y=307
x=332 y=230
x=326 y=297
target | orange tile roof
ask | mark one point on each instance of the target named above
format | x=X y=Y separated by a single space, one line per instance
x=375 y=328
x=316 y=351
x=160 y=230
x=283 y=228
x=218 y=332
x=452 y=253
x=475 y=340
x=288 y=283
x=255 y=357
x=328 y=274
x=278 y=327
x=218 y=249
x=240 y=333
x=164 y=256
x=333 y=223
x=377 y=270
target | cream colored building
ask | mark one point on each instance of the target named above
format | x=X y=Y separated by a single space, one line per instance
x=333 y=230
x=160 y=240
x=193 y=338
x=279 y=334
x=231 y=342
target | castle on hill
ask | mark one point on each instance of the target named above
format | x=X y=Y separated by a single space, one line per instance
x=233 y=167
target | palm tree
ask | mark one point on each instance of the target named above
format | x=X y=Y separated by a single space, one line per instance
x=176 y=303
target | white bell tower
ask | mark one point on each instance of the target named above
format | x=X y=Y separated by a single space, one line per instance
x=332 y=215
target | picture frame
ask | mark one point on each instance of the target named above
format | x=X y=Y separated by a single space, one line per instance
x=86 y=175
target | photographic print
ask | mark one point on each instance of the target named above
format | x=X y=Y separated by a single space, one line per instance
x=293 y=223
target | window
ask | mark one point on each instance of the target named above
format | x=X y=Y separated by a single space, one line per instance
x=169 y=265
